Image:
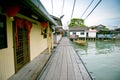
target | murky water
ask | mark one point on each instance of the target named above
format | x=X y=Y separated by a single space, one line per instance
x=102 y=59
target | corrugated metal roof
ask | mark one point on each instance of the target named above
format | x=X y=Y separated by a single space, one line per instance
x=78 y=28
x=41 y=10
x=34 y=6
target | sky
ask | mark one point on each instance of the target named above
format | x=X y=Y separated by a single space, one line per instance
x=106 y=13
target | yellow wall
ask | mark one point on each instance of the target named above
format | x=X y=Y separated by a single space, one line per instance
x=6 y=55
x=37 y=43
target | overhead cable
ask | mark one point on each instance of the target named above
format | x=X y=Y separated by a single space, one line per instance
x=87 y=8
x=73 y=8
x=93 y=9
x=52 y=5
x=62 y=7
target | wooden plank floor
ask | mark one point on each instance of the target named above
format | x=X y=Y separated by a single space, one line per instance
x=64 y=64
x=32 y=69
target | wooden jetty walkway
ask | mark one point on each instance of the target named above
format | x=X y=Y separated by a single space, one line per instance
x=64 y=64
x=33 y=68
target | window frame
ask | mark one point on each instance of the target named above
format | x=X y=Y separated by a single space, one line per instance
x=82 y=33
x=3 y=32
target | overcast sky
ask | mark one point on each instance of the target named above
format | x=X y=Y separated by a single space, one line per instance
x=106 y=13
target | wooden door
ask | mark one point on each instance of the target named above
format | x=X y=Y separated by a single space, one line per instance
x=22 y=55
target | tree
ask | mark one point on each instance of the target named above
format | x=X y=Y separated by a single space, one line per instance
x=76 y=22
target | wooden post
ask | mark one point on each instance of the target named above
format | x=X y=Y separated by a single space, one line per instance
x=49 y=38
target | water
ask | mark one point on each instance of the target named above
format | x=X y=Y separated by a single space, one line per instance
x=102 y=59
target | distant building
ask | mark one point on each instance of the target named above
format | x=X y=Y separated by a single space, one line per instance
x=116 y=33
x=91 y=33
x=58 y=31
x=78 y=32
x=103 y=32
x=58 y=34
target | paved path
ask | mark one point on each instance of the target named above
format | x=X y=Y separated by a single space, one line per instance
x=64 y=64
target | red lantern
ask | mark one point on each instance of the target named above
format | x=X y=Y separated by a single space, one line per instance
x=12 y=10
x=44 y=24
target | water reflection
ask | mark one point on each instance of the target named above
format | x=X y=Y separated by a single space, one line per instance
x=102 y=59
x=103 y=47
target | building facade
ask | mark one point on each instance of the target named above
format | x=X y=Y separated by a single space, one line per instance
x=25 y=32
x=78 y=32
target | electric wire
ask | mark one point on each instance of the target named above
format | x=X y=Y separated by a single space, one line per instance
x=87 y=8
x=92 y=9
x=52 y=5
x=62 y=7
x=73 y=8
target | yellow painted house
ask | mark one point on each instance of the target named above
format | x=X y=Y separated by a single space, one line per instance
x=25 y=32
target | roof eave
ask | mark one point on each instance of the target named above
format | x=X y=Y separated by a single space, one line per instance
x=38 y=7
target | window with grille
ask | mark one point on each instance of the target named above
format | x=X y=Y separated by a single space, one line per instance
x=3 y=37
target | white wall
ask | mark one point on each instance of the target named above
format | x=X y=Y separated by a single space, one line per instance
x=58 y=37
x=71 y=33
x=92 y=34
x=82 y=35
x=79 y=34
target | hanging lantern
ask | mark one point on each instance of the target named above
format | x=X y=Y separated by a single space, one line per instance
x=12 y=10
x=44 y=25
